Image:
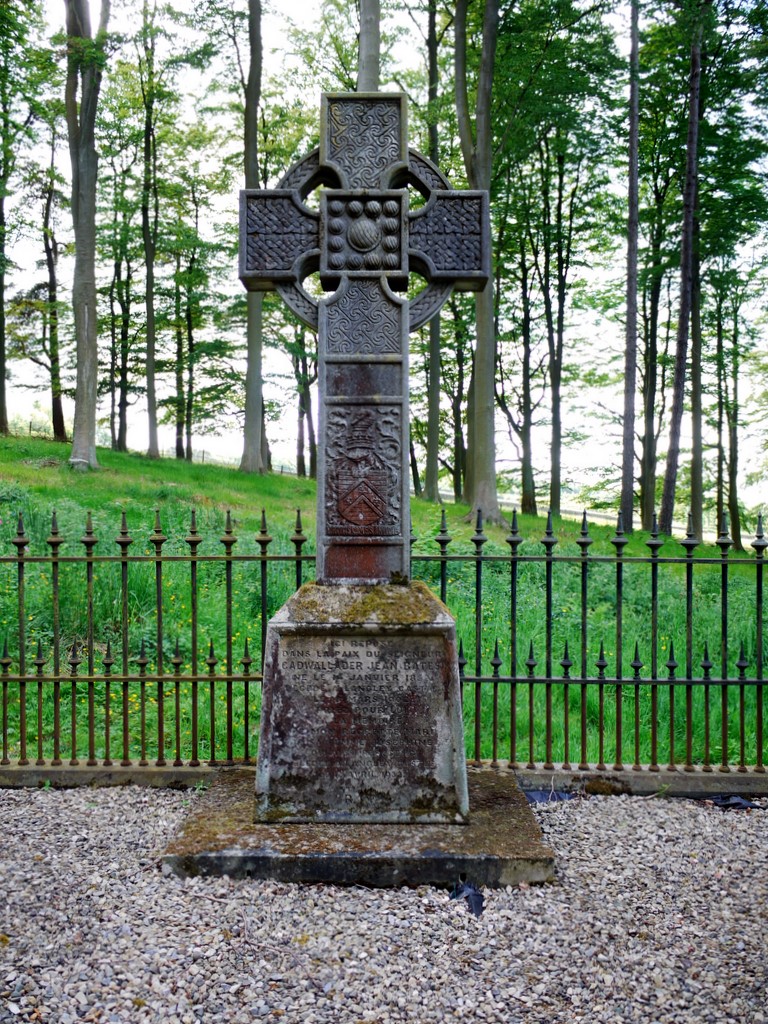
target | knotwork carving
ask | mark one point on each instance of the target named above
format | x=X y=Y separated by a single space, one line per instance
x=449 y=233
x=299 y=302
x=362 y=319
x=278 y=232
x=302 y=174
x=424 y=174
x=364 y=137
x=426 y=304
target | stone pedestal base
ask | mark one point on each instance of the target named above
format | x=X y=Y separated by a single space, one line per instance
x=361 y=712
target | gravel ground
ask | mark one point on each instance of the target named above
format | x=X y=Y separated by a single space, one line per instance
x=658 y=915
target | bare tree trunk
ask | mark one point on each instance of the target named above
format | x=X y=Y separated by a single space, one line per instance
x=368 y=69
x=178 y=327
x=252 y=460
x=51 y=249
x=124 y=300
x=721 y=386
x=476 y=148
x=415 y=471
x=697 y=441
x=431 y=475
x=734 y=511
x=686 y=278
x=85 y=61
x=528 y=484
x=3 y=368
x=149 y=213
x=311 y=439
x=190 y=402
x=298 y=372
x=630 y=353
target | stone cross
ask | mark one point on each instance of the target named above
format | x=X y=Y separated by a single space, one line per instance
x=364 y=241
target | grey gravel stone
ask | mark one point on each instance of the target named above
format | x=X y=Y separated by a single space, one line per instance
x=657 y=915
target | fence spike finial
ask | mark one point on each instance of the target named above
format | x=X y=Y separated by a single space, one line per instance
x=584 y=540
x=654 y=542
x=619 y=541
x=636 y=663
x=602 y=662
x=566 y=663
x=742 y=664
x=671 y=661
x=496 y=660
x=549 y=539
x=723 y=539
x=513 y=538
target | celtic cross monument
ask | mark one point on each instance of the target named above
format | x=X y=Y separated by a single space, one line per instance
x=361 y=716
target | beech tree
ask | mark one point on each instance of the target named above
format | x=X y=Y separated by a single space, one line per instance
x=22 y=74
x=37 y=312
x=255 y=458
x=86 y=58
x=475 y=134
x=630 y=354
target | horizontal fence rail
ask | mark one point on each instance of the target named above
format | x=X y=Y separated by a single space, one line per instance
x=150 y=653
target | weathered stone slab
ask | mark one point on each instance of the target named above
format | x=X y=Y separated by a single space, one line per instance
x=501 y=845
x=361 y=714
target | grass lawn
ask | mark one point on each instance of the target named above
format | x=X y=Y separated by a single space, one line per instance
x=35 y=480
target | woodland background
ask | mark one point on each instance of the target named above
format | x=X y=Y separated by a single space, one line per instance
x=624 y=144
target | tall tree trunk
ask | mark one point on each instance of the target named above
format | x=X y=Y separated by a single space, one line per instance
x=369 y=46
x=113 y=344
x=476 y=148
x=528 y=485
x=697 y=440
x=51 y=249
x=721 y=398
x=181 y=398
x=150 y=216
x=650 y=370
x=124 y=300
x=252 y=460
x=630 y=352
x=3 y=343
x=85 y=61
x=415 y=470
x=686 y=280
x=301 y=466
x=190 y=397
x=733 y=415
x=311 y=438
x=431 y=474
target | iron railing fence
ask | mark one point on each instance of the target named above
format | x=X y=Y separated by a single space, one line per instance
x=569 y=654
